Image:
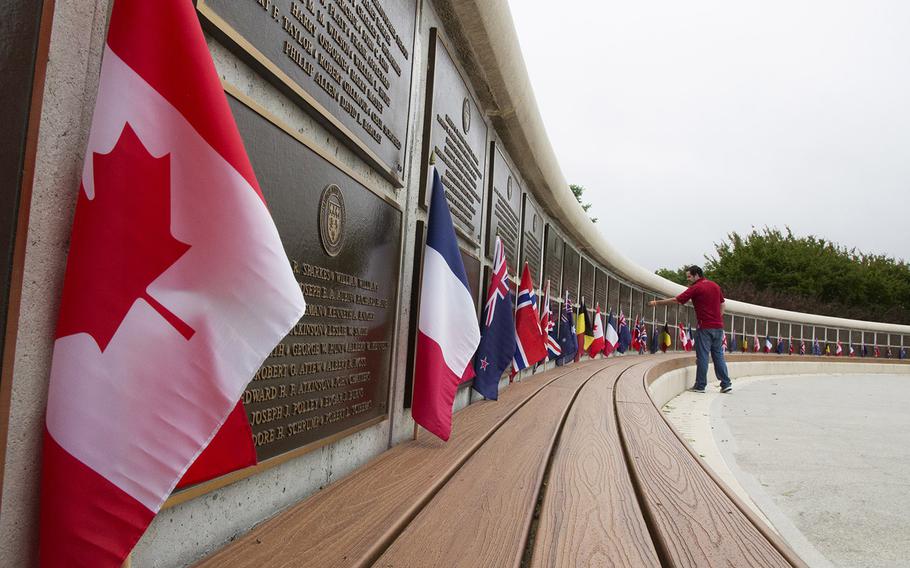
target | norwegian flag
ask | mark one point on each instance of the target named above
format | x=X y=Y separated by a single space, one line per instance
x=529 y=347
x=177 y=288
x=547 y=327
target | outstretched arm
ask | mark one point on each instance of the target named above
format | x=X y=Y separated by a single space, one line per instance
x=665 y=302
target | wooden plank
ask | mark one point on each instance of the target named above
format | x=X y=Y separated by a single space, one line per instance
x=590 y=514
x=482 y=516
x=692 y=521
x=350 y=522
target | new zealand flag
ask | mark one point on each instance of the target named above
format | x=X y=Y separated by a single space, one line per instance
x=568 y=342
x=497 y=339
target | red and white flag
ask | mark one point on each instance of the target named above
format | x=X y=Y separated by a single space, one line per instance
x=682 y=337
x=176 y=289
x=547 y=325
x=756 y=345
x=839 y=350
x=597 y=345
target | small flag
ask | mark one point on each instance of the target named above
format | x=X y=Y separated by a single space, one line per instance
x=625 y=336
x=636 y=331
x=839 y=350
x=643 y=338
x=583 y=329
x=756 y=344
x=497 y=339
x=548 y=327
x=611 y=338
x=723 y=345
x=802 y=348
x=597 y=343
x=780 y=345
x=529 y=345
x=654 y=347
x=567 y=340
x=665 y=341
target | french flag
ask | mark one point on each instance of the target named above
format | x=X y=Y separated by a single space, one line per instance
x=447 y=329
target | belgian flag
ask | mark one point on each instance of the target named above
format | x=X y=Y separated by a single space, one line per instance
x=665 y=340
x=584 y=329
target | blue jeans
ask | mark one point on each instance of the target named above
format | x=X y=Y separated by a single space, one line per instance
x=710 y=341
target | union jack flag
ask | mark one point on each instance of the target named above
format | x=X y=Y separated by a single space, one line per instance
x=500 y=283
x=547 y=325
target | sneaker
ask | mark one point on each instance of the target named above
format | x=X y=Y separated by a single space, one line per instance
x=727 y=388
x=694 y=389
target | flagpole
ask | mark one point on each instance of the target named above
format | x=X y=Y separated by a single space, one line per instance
x=414 y=438
x=128 y=562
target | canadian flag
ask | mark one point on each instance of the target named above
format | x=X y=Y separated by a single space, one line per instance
x=176 y=289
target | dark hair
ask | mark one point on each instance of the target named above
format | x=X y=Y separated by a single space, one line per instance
x=696 y=271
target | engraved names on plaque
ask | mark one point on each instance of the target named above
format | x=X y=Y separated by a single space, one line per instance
x=331 y=373
x=552 y=260
x=505 y=208
x=531 y=239
x=348 y=60
x=456 y=135
x=570 y=265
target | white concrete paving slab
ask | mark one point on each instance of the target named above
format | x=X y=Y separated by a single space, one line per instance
x=824 y=458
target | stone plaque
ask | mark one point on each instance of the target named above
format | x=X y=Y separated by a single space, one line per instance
x=587 y=283
x=531 y=238
x=570 y=265
x=637 y=305
x=331 y=373
x=552 y=260
x=347 y=61
x=504 y=209
x=456 y=135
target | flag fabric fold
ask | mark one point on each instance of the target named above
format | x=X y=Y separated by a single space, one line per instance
x=497 y=339
x=665 y=341
x=583 y=329
x=447 y=329
x=625 y=336
x=177 y=288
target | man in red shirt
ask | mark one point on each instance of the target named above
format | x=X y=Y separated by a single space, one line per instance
x=708 y=300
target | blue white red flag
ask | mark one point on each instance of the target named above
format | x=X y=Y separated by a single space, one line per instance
x=447 y=330
x=548 y=327
x=568 y=343
x=767 y=344
x=497 y=339
x=625 y=336
x=529 y=345
x=611 y=338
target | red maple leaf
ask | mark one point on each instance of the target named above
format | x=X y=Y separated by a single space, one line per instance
x=121 y=242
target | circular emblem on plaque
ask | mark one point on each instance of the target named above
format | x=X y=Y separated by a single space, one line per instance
x=509 y=188
x=331 y=219
x=466 y=115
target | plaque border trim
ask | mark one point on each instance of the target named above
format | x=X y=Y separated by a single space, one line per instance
x=426 y=129
x=248 y=101
x=322 y=114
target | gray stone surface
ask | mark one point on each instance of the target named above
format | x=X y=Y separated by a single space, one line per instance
x=832 y=454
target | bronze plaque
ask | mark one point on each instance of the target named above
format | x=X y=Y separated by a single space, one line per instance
x=456 y=135
x=637 y=305
x=600 y=288
x=347 y=61
x=331 y=373
x=570 y=265
x=531 y=238
x=552 y=261
x=587 y=283
x=504 y=208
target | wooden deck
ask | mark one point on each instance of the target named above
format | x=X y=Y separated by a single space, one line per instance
x=572 y=467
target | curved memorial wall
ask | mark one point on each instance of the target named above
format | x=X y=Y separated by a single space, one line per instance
x=341 y=105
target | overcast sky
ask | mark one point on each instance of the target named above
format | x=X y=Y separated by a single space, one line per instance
x=688 y=120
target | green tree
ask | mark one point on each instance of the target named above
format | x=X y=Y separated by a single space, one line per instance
x=810 y=274
x=577 y=191
x=678 y=275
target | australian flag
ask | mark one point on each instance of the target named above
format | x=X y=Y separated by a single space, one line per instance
x=568 y=343
x=497 y=339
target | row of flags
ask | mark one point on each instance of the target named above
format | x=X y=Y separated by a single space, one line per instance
x=814 y=347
